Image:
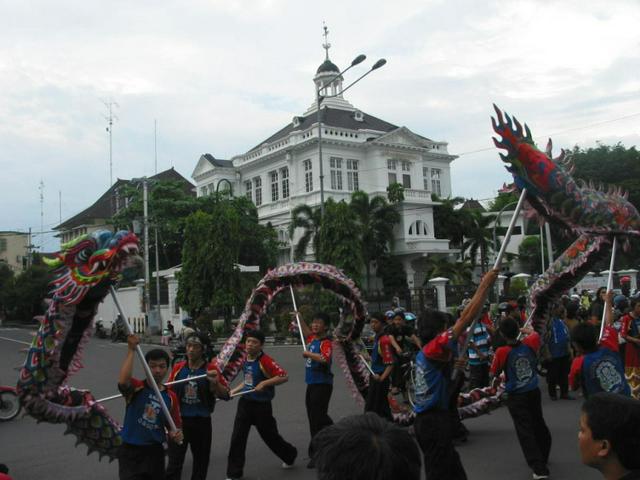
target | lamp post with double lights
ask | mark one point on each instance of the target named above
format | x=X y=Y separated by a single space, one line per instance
x=319 y=98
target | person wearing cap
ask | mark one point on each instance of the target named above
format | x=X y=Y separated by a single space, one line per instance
x=197 y=400
x=261 y=374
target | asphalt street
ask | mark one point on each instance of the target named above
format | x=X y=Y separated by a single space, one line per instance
x=40 y=451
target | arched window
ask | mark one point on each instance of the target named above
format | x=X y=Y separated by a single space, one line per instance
x=418 y=228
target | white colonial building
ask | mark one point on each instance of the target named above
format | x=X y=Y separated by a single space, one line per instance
x=359 y=152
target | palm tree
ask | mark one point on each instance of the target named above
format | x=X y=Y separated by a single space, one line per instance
x=303 y=216
x=478 y=237
x=376 y=219
x=449 y=221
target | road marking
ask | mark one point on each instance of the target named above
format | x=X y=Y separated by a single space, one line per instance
x=17 y=341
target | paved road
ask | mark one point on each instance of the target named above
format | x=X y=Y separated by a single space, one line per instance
x=41 y=451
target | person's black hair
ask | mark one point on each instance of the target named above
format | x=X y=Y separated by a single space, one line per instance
x=633 y=301
x=4 y=469
x=257 y=334
x=322 y=316
x=381 y=317
x=157 y=354
x=431 y=323
x=585 y=336
x=616 y=418
x=365 y=447
x=509 y=328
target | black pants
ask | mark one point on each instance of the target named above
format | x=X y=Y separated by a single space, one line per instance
x=377 y=398
x=478 y=376
x=558 y=375
x=259 y=414
x=534 y=436
x=317 y=403
x=140 y=462
x=197 y=434
x=434 y=432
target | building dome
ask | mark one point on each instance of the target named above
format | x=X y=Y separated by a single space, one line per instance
x=328 y=66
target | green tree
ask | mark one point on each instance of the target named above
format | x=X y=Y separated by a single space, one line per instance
x=449 y=221
x=529 y=254
x=169 y=206
x=478 y=237
x=25 y=293
x=376 y=219
x=6 y=283
x=503 y=200
x=309 y=219
x=214 y=242
x=459 y=272
x=395 y=192
x=391 y=271
x=336 y=244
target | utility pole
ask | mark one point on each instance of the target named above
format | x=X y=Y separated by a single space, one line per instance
x=155 y=156
x=110 y=118
x=155 y=146
x=145 y=203
x=60 y=203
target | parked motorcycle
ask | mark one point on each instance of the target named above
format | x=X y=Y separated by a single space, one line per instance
x=9 y=404
x=118 y=330
x=100 y=331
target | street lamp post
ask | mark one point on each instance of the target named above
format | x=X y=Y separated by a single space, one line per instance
x=319 y=98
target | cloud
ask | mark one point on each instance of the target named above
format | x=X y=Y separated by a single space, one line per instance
x=220 y=76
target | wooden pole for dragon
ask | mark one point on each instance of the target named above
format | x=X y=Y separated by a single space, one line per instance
x=295 y=307
x=609 y=283
x=497 y=263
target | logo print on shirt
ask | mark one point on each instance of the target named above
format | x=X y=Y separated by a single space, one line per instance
x=191 y=393
x=524 y=373
x=150 y=415
x=248 y=377
x=608 y=377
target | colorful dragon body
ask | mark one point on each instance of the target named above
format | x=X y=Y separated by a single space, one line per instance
x=85 y=269
x=347 y=344
x=593 y=216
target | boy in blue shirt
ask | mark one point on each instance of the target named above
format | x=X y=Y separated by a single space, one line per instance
x=318 y=376
x=433 y=425
x=141 y=456
x=197 y=401
x=559 y=347
x=261 y=374
x=519 y=361
x=382 y=365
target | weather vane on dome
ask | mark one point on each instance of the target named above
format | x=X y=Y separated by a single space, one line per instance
x=326 y=45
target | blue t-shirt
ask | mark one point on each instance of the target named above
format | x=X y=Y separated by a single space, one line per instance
x=144 y=422
x=253 y=375
x=191 y=393
x=602 y=371
x=521 y=369
x=481 y=339
x=432 y=374
x=318 y=372
x=559 y=339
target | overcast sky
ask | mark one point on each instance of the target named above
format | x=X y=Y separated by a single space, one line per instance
x=221 y=76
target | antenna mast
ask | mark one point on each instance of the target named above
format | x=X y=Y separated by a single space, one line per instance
x=155 y=143
x=41 y=188
x=110 y=118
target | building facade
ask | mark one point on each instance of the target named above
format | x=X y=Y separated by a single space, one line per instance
x=359 y=152
x=14 y=250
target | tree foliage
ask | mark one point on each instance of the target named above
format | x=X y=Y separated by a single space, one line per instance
x=337 y=244
x=391 y=271
x=376 y=219
x=478 y=237
x=309 y=219
x=449 y=221
x=504 y=200
x=395 y=193
x=22 y=296
x=217 y=237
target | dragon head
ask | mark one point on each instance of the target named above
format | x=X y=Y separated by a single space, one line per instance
x=85 y=269
x=99 y=258
x=552 y=191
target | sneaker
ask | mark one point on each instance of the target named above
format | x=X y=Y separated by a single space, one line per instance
x=287 y=466
x=540 y=476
